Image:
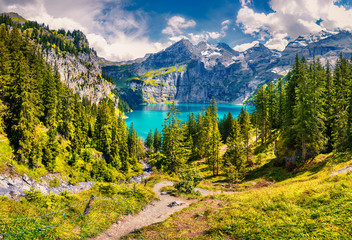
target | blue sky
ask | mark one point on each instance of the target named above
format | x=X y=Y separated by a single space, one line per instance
x=127 y=29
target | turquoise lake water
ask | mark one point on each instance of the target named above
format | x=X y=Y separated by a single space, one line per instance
x=146 y=117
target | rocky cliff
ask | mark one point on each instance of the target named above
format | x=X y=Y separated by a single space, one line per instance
x=81 y=72
x=77 y=63
x=195 y=73
x=187 y=73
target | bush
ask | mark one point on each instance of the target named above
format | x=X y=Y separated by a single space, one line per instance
x=190 y=178
x=157 y=160
x=54 y=183
x=233 y=175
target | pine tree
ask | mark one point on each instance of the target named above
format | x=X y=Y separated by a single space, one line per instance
x=172 y=141
x=123 y=144
x=235 y=146
x=245 y=123
x=261 y=112
x=157 y=141
x=50 y=150
x=308 y=111
x=150 y=140
x=280 y=100
x=211 y=117
x=329 y=102
x=289 y=136
x=50 y=101
x=341 y=104
x=227 y=129
x=133 y=145
x=271 y=106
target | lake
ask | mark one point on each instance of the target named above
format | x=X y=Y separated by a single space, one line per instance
x=146 y=117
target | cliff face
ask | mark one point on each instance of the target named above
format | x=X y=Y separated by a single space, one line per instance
x=196 y=73
x=187 y=73
x=78 y=64
x=81 y=73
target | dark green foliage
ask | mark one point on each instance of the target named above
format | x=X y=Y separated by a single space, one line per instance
x=235 y=157
x=60 y=39
x=190 y=179
x=311 y=108
x=50 y=150
x=33 y=99
x=157 y=141
x=225 y=126
x=245 y=123
x=134 y=145
x=172 y=144
x=150 y=140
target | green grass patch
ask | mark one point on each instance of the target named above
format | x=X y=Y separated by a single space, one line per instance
x=111 y=203
x=305 y=204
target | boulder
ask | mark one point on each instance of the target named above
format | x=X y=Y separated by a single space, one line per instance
x=342 y=170
x=176 y=203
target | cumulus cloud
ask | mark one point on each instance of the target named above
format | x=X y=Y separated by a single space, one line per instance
x=177 y=29
x=245 y=2
x=115 y=33
x=243 y=47
x=225 y=26
x=177 y=24
x=290 y=19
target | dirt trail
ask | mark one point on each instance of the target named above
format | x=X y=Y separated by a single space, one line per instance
x=157 y=211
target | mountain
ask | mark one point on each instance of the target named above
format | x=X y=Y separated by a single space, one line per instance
x=195 y=73
x=77 y=63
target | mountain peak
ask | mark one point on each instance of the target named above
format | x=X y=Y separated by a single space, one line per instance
x=15 y=17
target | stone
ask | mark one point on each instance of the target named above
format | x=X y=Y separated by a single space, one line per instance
x=175 y=204
x=342 y=170
x=164 y=193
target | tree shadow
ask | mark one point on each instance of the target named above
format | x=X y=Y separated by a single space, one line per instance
x=271 y=172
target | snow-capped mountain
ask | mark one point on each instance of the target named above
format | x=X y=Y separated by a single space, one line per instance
x=195 y=73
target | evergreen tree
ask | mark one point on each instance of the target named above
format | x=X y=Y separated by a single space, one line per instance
x=157 y=141
x=133 y=145
x=172 y=141
x=50 y=150
x=211 y=117
x=329 y=107
x=271 y=106
x=280 y=100
x=261 y=112
x=123 y=144
x=341 y=104
x=150 y=140
x=227 y=129
x=245 y=124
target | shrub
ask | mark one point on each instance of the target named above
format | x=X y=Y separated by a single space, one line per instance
x=190 y=178
x=54 y=183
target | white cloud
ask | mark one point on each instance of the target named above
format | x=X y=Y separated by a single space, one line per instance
x=122 y=47
x=226 y=22
x=177 y=24
x=214 y=35
x=243 y=47
x=290 y=19
x=225 y=26
x=245 y=2
x=116 y=34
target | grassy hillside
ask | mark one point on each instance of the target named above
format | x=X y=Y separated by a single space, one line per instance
x=61 y=216
x=306 y=204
